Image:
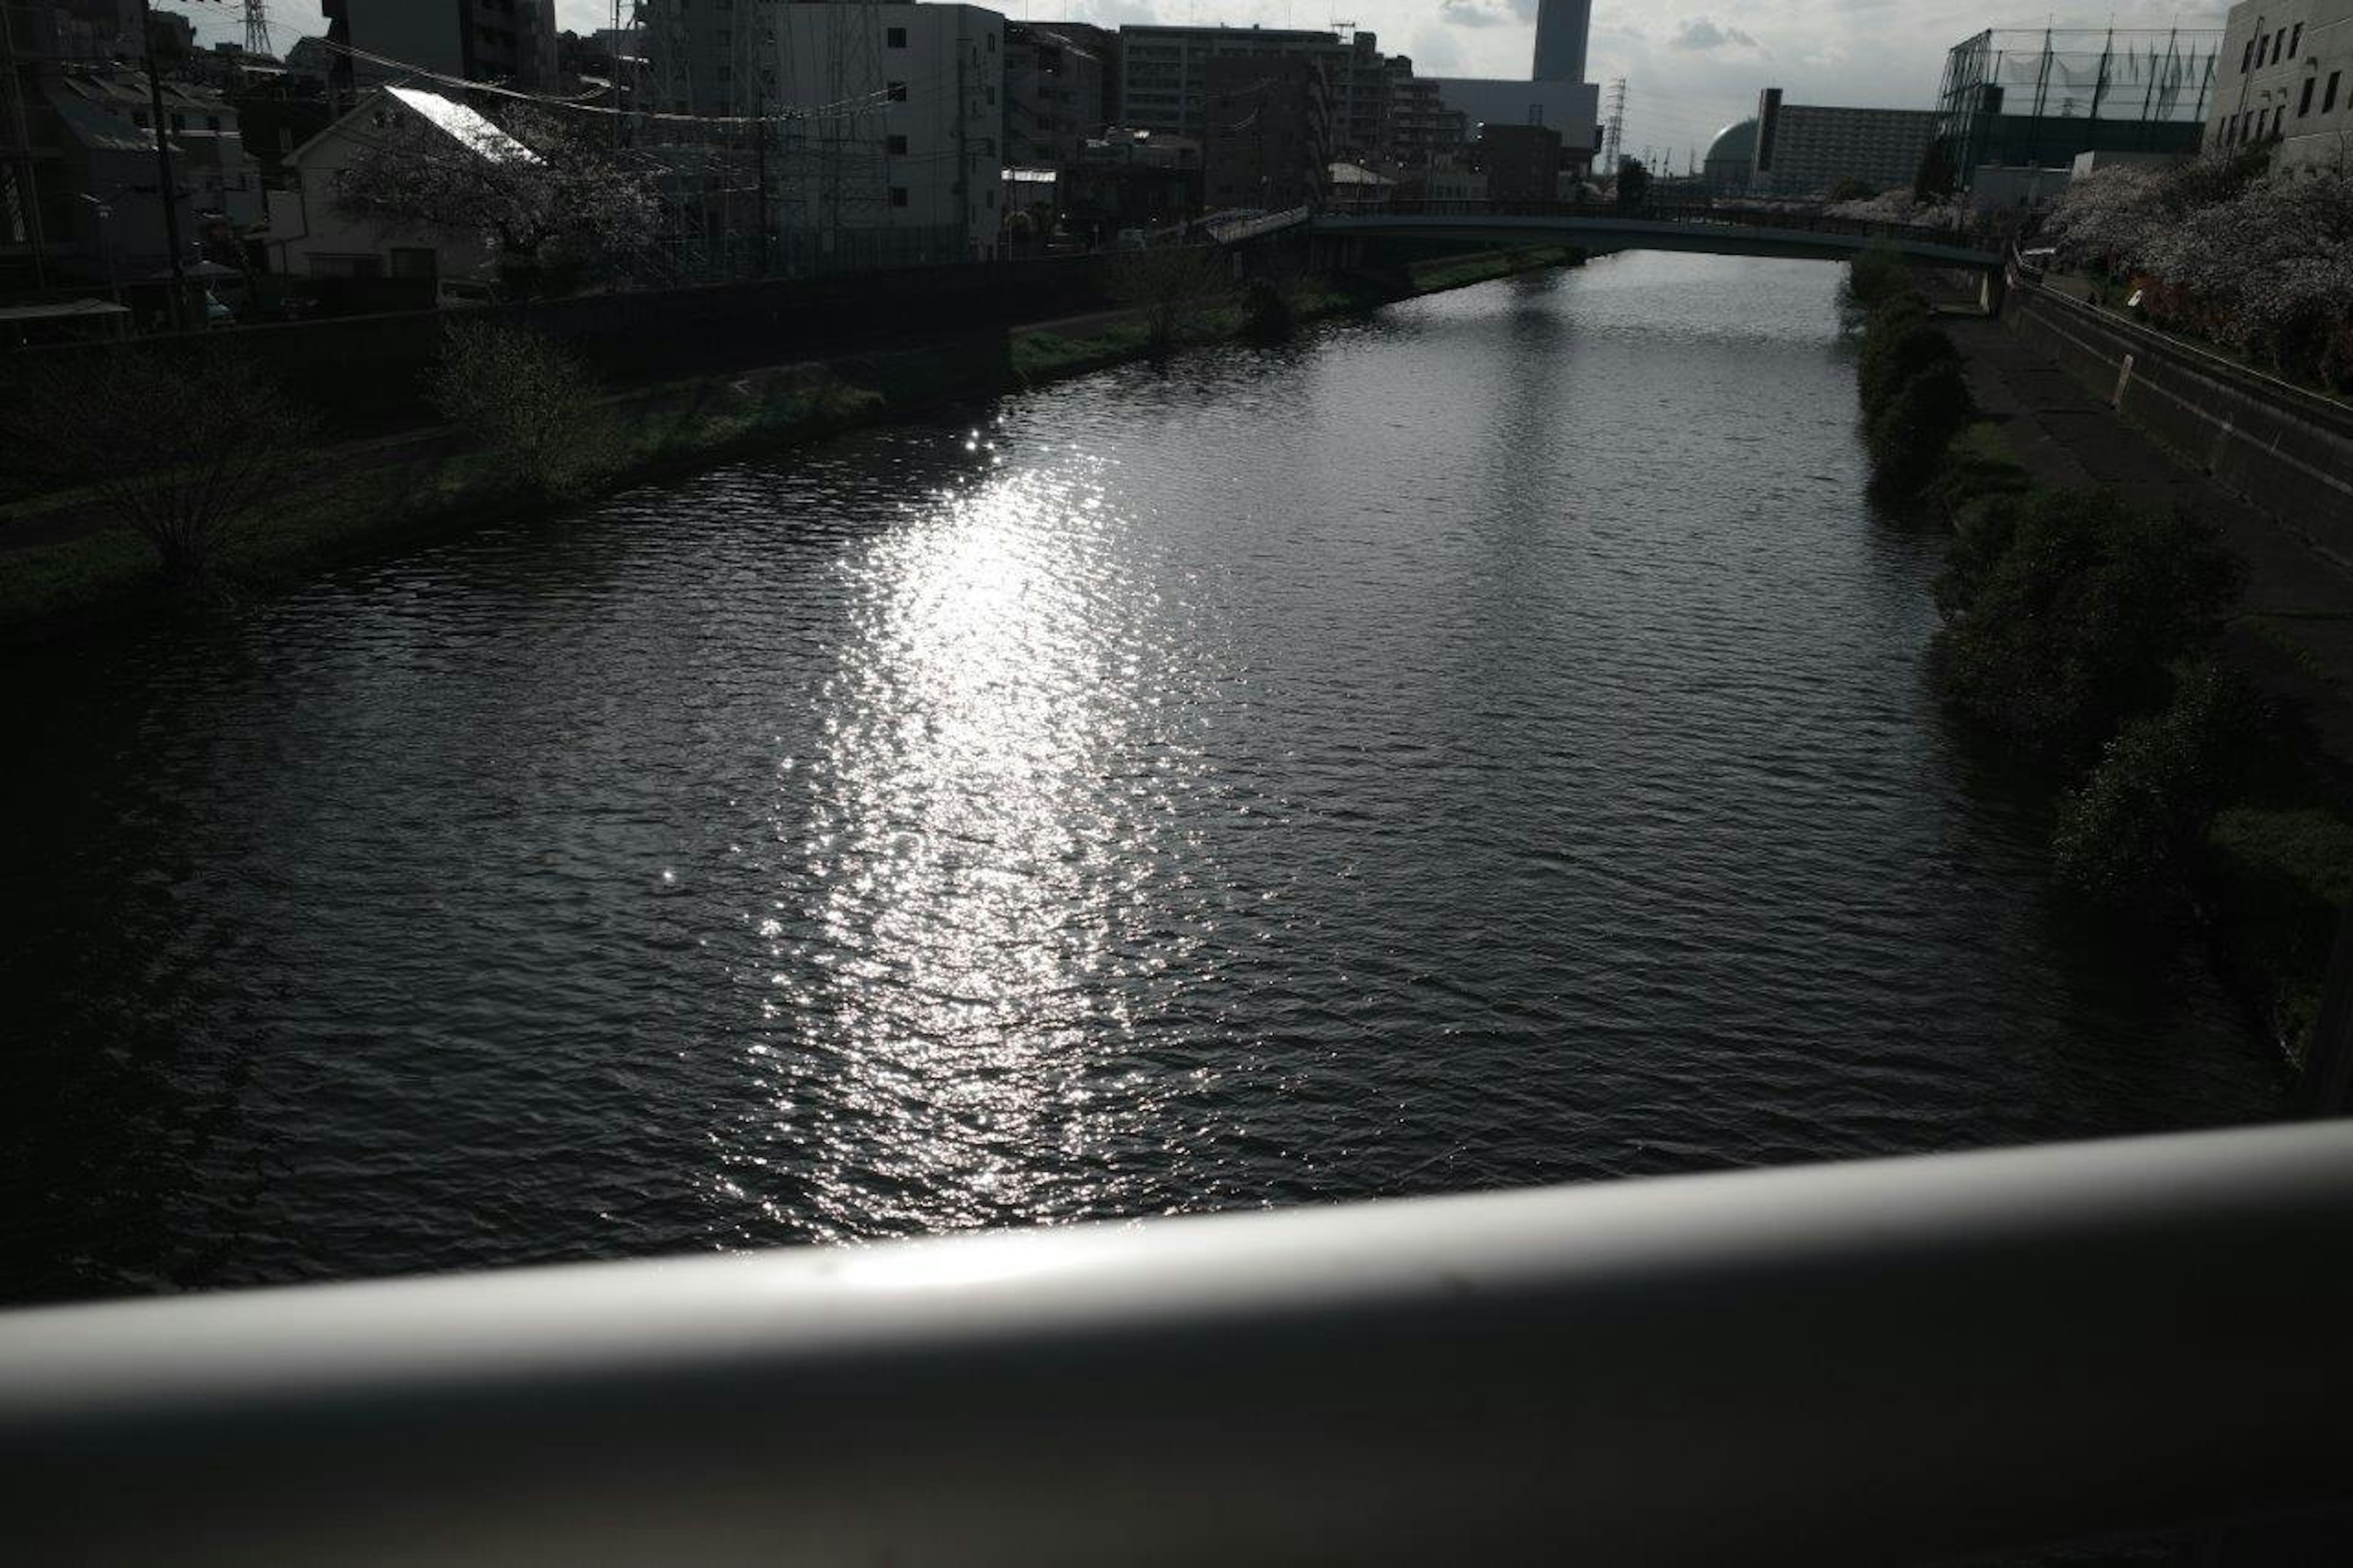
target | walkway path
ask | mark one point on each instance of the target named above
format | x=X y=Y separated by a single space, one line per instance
x=2295 y=629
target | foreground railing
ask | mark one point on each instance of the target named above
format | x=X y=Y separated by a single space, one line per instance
x=1871 y=1363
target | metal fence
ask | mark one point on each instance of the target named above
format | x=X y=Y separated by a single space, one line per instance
x=1875 y=1362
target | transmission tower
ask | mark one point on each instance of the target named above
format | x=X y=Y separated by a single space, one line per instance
x=256 y=28
x=853 y=164
x=1613 y=134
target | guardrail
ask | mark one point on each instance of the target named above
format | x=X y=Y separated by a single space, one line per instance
x=1874 y=1362
x=1603 y=212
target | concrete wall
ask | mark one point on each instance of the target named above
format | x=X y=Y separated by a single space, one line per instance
x=2288 y=451
x=363 y=374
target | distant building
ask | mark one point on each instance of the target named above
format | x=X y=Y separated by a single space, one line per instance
x=102 y=210
x=1131 y=179
x=1056 y=92
x=1804 y=150
x=1573 y=109
x=1164 y=71
x=1270 y=132
x=1563 y=30
x=1352 y=187
x=2287 y=73
x=2035 y=99
x=1422 y=130
x=1522 y=162
x=511 y=42
x=1731 y=157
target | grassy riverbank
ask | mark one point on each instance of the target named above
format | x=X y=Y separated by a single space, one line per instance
x=65 y=567
x=2093 y=633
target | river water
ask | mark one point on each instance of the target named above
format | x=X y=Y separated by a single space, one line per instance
x=1481 y=745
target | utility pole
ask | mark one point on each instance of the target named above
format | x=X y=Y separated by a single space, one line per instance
x=171 y=188
x=760 y=158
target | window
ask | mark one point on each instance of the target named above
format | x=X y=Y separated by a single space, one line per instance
x=2311 y=85
x=2328 y=99
x=2247 y=60
x=894 y=38
x=898 y=196
x=2295 y=40
x=415 y=261
x=896 y=91
x=2279 y=46
x=895 y=145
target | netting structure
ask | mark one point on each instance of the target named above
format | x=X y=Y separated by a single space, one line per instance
x=2036 y=98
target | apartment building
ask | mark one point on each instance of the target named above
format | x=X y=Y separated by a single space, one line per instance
x=2287 y=70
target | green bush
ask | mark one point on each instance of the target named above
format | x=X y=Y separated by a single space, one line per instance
x=1907 y=436
x=2282 y=878
x=1877 y=274
x=2130 y=837
x=529 y=399
x=1976 y=471
x=1894 y=352
x=2064 y=609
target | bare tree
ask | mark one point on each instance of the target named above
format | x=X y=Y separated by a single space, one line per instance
x=557 y=204
x=1171 y=287
x=181 y=451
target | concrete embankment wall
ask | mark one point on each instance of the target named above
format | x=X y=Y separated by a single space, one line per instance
x=2287 y=450
x=365 y=373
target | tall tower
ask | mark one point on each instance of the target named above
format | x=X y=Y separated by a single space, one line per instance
x=1562 y=28
x=256 y=28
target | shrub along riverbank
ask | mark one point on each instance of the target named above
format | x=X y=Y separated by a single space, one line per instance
x=2082 y=634
x=79 y=549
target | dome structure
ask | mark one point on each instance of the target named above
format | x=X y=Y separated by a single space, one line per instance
x=1732 y=156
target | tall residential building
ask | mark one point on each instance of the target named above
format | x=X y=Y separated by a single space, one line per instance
x=1422 y=131
x=1803 y=150
x=1269 y=118
x=1164 y=71
x=511 y=42
x=883 y=133
x=2286 y=72
x=1056 y=82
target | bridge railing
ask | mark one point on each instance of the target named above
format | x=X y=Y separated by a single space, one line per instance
x=1605 y=213
x=1875 y=1362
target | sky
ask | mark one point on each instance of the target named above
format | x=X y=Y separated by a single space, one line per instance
x=1690 y=71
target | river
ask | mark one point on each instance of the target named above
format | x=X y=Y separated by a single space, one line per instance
x=1479 y=745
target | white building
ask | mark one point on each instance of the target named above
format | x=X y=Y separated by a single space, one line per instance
x=308 y=238
x=2287 y=71
x=884 y=126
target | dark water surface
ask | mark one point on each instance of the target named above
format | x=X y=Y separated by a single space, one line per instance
x=1483 y=745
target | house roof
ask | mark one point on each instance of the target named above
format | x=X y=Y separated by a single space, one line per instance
x=97 y=130
x=464 y=125
x=460 y=123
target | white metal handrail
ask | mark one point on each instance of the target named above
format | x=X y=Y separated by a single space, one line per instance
x=1871 y=1363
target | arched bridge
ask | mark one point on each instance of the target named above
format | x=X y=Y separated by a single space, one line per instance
x=1715 y=231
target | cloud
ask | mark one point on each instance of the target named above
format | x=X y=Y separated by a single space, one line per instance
x=1478 y=13
x=1700 y=35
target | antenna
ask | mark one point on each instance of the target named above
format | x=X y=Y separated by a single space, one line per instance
x=1613 y=136
x=256 y=28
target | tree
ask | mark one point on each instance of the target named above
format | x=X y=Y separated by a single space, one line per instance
x=181 y=451
x=2064 y=609
x=1633 y=184
x=528 y=398
x=557 y=205
x=2130 y=836
x=1170 y=287
x=1939 y=176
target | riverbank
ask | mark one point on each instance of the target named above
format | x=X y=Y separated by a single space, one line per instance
x=2272 y=861
x=66 y=568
